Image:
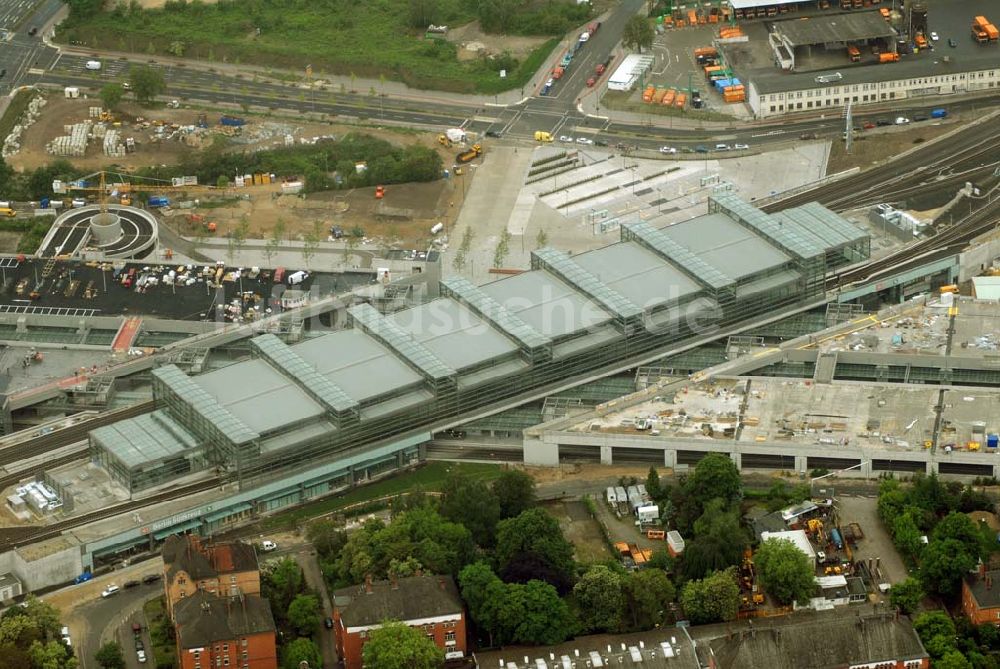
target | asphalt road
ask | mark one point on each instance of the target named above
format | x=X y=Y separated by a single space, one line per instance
x=111 y=619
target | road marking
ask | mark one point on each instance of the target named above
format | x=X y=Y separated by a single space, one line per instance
x=485 y=119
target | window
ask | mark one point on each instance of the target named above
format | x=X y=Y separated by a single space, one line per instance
x=449 y=636
x=232 y=579
x=225 y=647
x=197 y=655
x=244 y=656
x=244 y=642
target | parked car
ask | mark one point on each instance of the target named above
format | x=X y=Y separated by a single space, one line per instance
x=565 y=138
x=151 y=578
x=882 y=122
x=336 y=232
x=721 y=147
x=701 y=148
x=112 y=589
x=130 y=584
x=584 y=140
x=920 y=117
x=867 y=125
x=952 y=43
x=934 y=36
x=669 y=150
x=328 y=623
x=268 y=546
x=33 y=31
x=902 y=120
x=600 y=142
x=136 y=629
x=141 y=655
x=591 y=82
x=741 y=147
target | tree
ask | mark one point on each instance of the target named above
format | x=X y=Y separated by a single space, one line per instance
x=284 y=582
x=541 y=239
x=484 y=594
x=110 y=656
x=33 y=621
x=303 y=614
x=937 y=632
x=719 y=540
x=715 y=598
x=961 y=528
x=601 y=599
x=147 y=83
x=310 y=243
x=953 y=660
x=785 y=571
x=533 y=613
x=943 y=563
x=653 y=482
x=301 y=650
x=515 y=492
x=466 y=501
x=222 y=181
x=111 y=95
x=906 y=595
x=638 y=33
x=398 y=646
x=906 y=535
x=51 y=655
x=534 y=539
x=647 y=593
x=502 y=249
x=714 y=476
x=326 y=537
x=422 y=13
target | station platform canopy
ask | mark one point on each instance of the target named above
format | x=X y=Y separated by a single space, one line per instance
x=753 y=4
x=841 y=28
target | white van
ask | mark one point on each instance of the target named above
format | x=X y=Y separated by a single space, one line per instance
x=296 y=278
x=268 y=546
x=93 y=65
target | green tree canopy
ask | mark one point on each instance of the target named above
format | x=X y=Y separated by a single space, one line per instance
x=398 y=646
x=715 y=476
x=719 y=540
x=484 y=593
x=786 y=573
x=35 y=620
x=326 y=537
x=638 y=33
x=515 y=492
x=601 y=599
x=283 y=581
x=301 y=650
x=715 y=598
x=467 y=501
x=937 y=632
x=533 y=613
x=110 y=656
x=147 y=83
x=943 y=564
x=111 y=95
x=531 y=546
x=961 y=528
x=906 y=595
x=304 y=614
x=648 y=592
x=52 y=655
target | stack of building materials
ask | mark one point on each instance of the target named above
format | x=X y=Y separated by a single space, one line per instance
x=12 y=144
x=95 y=112
x=113 y=145
x=73 y=143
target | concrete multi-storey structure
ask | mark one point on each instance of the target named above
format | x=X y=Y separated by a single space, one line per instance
x=430 y=603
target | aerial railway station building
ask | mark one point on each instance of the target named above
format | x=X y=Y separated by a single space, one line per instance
x=344 y=393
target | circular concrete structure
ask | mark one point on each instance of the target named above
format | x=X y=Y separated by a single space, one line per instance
x=120 y=233
x=105 y=228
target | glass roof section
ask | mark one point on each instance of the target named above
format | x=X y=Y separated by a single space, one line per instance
x=495 y=312
x=291 y=364
x=401 y=342
x=567 y=269
x=205 y=405
x=685 y=259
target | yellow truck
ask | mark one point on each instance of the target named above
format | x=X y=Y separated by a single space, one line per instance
x=542 y=136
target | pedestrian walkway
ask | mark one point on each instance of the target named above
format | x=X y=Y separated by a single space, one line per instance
x=127 y=333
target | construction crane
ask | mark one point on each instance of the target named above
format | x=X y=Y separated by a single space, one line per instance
x=124 y=187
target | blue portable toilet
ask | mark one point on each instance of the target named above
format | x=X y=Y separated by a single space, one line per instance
x=992 y=440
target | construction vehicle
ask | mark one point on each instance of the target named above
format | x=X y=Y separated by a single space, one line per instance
x=469 y=154
x=380 y=191
x=854 y=54
x=656 y=535
x=122 y=188
x=542 y=136
x=888 y=57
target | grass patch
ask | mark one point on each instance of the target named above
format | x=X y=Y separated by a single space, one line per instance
x=368 y=42
x=17 y=107
x=164 y=651
x=428 y=478
x=621 y=100
x=32 y=230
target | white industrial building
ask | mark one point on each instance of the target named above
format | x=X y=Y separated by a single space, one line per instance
x=797 y=537
x=629 y=72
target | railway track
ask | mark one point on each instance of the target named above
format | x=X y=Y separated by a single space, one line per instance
x=19 y=536
x=42 y=444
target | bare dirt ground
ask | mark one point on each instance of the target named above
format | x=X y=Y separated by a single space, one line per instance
x=473 y=42
x=877 y=145
x=581 y=529
x=8 y=241
x=403 y=218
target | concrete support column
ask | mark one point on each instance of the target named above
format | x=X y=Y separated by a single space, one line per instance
x=801 y=464
x=22 y=324
x=606 y=455
x=538 y=452
x=996 y=471
x=82 y=328
x=932 y=468
x=400 y=459
x=737 y=459
x=866 y=468
x=669 y=458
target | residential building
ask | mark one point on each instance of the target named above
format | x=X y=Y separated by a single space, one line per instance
x=981 y=597
x=816 y=641
x=430 y=603
x=656 y=649
x=235 y=632
x=191 y=566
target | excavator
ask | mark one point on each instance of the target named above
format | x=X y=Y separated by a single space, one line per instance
x=469 y=154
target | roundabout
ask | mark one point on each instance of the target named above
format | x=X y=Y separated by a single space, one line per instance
x=118 y=232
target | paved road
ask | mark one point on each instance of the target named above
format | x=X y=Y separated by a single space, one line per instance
x=109 y=619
